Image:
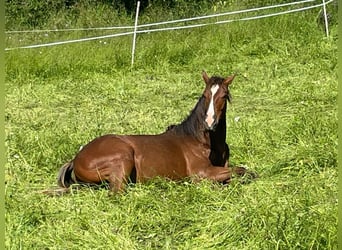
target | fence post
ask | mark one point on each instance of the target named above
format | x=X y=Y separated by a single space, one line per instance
x=325 y=19
x=135 y=32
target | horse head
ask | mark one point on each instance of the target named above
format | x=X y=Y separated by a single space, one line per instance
x=216 y=94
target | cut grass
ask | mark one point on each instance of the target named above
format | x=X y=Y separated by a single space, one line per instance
x=282 y=124
x=288 y=213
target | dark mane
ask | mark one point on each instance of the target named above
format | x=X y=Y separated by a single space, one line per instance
x=193 y=123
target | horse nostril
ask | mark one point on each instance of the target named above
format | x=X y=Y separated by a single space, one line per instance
x=213 y=126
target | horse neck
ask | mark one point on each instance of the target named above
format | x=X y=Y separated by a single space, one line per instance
x=193 y=125
x=218 y=136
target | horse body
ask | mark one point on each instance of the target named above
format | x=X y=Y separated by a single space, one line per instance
x=114 y=158
x=196 y=147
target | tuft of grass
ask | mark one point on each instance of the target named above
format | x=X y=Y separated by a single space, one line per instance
x=282 y=124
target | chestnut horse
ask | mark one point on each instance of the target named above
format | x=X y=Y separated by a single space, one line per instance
x=194 y=148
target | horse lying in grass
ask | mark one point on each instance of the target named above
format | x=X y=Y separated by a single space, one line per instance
x=194 y=148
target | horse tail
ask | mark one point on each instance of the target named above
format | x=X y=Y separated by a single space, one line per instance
x=66 y=176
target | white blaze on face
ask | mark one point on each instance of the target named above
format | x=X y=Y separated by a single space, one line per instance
x=211 y=111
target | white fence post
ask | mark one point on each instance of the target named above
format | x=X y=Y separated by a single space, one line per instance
x=325 y=19
x=135 y=32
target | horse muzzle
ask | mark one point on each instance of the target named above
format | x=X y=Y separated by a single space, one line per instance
x=211 y=126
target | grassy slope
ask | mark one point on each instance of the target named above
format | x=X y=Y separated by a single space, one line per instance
x=282 y=124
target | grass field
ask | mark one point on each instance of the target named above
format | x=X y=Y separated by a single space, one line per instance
x=282 y=124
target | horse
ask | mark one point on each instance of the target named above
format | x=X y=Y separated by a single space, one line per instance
x=194 y=148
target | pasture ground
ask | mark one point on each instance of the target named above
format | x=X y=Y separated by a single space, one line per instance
x=282 y=124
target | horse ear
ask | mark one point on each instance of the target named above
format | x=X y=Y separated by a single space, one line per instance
x=205 y=77
x=229 y=80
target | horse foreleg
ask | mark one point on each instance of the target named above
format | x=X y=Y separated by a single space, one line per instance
x=221 y=174
x=241 y=170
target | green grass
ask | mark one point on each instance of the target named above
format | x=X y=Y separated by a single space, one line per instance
x=282 y=124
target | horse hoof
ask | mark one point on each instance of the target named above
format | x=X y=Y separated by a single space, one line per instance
x=245 y=174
